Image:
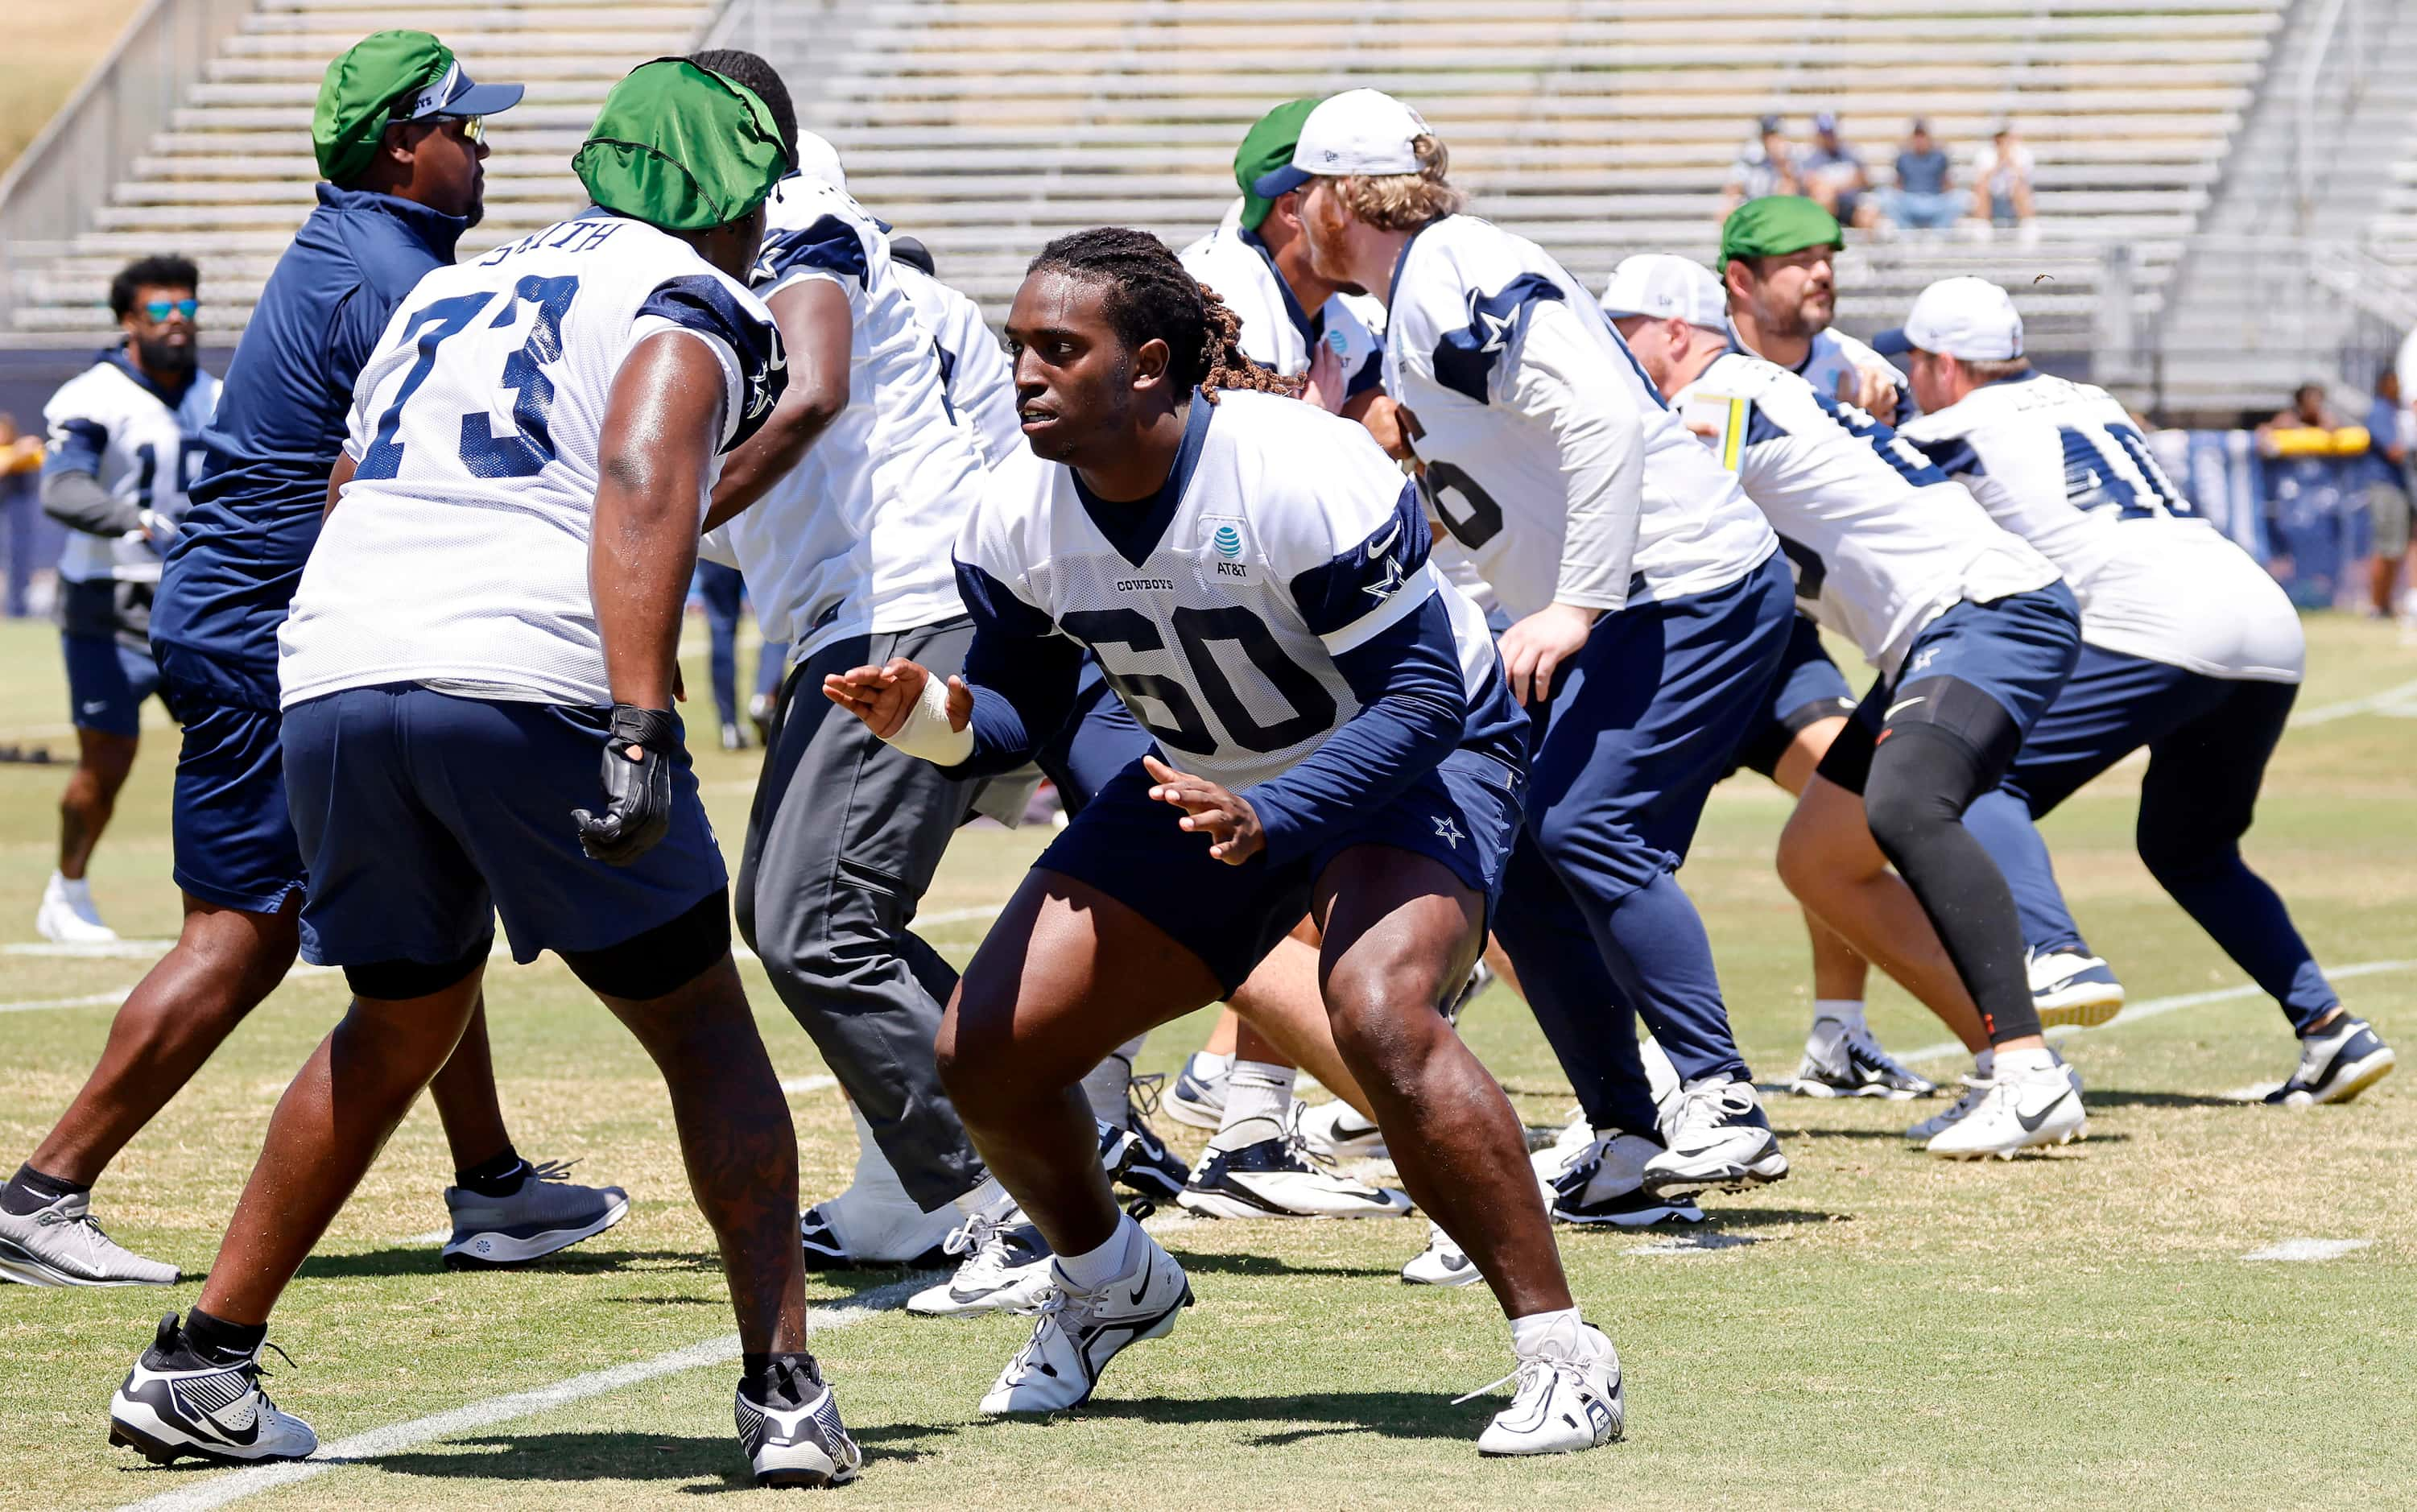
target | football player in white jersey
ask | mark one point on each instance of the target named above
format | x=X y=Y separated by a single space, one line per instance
x=1649 y=613
x=973 y=366
x=124 y=434
x=2188 y=649
x=482 y=650
x=1973 y=632
x=1336 y=740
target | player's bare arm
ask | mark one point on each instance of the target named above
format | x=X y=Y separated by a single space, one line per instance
x=817 y=331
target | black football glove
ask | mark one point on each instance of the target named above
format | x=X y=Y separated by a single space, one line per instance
x=638 y=812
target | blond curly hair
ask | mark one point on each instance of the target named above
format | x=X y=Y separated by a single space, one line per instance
x=1405 y=202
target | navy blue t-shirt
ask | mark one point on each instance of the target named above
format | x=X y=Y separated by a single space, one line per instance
x=1921 y=172
x=255 y=511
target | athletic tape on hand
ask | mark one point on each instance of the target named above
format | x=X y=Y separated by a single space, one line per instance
x=926 y=732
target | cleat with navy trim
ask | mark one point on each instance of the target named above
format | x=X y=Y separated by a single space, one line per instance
x=1075 y=1333
x=1147 y=1166
x=789 y=1426
x=2071 y=987
x=1602 y=1182
x=1005 y=1268
x=1443 y=1263
x=1719 y=1137
x=1336 y=1131
x=2335 y=1067
x=1567 y=1397
x=1841 y=1061
x=546 y=1214
x=1276 y=1178
x=176 y=1402
x=1198 y=1095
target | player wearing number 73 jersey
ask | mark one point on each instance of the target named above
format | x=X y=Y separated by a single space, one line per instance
x=2189 y=649
x=1973 y=633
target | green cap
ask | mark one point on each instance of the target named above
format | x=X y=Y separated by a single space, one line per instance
x=1266 y=147
x=388 y=77
x=681 y=147
x=1776 y=225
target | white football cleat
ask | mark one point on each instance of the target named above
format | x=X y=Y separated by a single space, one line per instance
x=175 y=1402
x=1841 y=1061
x=1272 y=1179
x=1005 y=1270
x=2068 y=987
x=1075 y=1333
x=2016 y=1111
x=68 y=916
x=1443 y=1263
x=1567 y=1397
x=1337 y=1130
x=2335 y=1067
x=1975 y=1088
x=1718 y=1136
x=1602 y=1182
x=789 y=1429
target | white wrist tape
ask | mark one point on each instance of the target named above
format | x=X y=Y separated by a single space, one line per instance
x=926 y=732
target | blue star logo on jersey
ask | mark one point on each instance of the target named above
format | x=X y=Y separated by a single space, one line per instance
x=1386 y=586
x=1228 y=542
x=1464 y=358
x=1448 y=832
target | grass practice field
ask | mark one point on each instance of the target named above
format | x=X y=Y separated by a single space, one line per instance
x=2085 y=1329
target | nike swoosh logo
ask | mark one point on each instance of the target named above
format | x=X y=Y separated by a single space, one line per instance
x=2031 y=1121
x=1896 y=708
x=1141 y=1290
x=1379 y=548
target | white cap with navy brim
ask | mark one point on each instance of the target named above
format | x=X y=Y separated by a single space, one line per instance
x=1969 y=319
x=1358 y=131
x=1663 y=285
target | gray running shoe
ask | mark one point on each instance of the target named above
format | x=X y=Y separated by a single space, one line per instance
x=546 y=1214
x=61 y=1246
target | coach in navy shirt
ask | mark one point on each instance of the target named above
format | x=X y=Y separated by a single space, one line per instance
x=400 y=136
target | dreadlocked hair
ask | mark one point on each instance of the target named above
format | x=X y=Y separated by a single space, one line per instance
x=1151 y=297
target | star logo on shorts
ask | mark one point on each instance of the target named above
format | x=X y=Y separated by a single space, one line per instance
x=1448 y=832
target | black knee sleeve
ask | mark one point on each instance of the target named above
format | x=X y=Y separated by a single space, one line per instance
x=665 y=958
x=394 y=981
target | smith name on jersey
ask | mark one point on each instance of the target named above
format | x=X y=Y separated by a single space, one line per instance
x=1542 y=438
x=2061 y=465
x=855 y=539
x=1276 y=332
x=1284 y=539
x=458 y=554
x=1882 y=541
x=144 y=448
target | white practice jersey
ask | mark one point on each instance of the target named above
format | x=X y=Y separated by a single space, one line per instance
x=1882 y=542
x=1548 y=454
x=2061 y=465
x=1283 y=539
x=855 y=540
x=458 y=554
x=1276 y=331
x=974 y=370
x=110 y=421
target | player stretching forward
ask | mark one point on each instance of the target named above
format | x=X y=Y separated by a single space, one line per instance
x=2188 y=648
x=1652 y=612
x=492 y=609
x=1973 y=632
x=1252 y=575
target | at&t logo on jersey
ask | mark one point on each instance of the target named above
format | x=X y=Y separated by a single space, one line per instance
x=1226 y=543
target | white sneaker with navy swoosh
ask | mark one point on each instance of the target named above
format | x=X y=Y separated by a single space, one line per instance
x=1075 y=1333
x=2018 y=1109
x=2071 y=987
x=1443 y=1263
x=175 y=1402
x=1567 y=1397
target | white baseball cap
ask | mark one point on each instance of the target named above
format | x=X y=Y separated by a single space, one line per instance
x=817 y=158
x=1661 y=285
x=1357 y=132
x=1971 y=319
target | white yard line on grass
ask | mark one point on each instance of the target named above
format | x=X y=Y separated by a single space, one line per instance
x=395 y=1438
x=2156 y=1007
x=2400 y=702
x=2308 y=1249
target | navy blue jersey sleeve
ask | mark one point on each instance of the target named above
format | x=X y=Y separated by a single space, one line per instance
x=76 y=444
x=1413 y=709
x=1951 y=454
x=1466 y=359
x=829 y=246
x=1024 y=676
x=1365 y=577
x=701 y=303
x=1370 y=375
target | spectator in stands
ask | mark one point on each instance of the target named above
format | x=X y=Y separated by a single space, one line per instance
x=2387 y=491
x=2001 y=183
x=2308 y=412
x=1834 y=178
x=1923 y=198
x=1765 y=165
x=20 y=463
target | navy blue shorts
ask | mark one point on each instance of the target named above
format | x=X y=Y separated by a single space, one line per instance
x=422 y=815
x=2114 y=704
x=1645 y=720
x=1098 y=740
x=2010 y=658
x=1463 y=814
x=106 y=683
x=1808 y=689
x=234 y=844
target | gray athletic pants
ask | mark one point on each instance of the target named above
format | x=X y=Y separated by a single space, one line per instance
x=846 y=836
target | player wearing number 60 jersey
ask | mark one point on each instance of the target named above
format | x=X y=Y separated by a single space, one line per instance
x=1334 y=739
x=2189 y=649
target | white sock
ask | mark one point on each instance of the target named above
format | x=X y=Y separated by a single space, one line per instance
x=1528 y=1334
x=988 y=1195
x=1095 y=1268
x=1984 y=1062
x=2019 y=1063
x=1258 y=1095
x=1845 y=1011
x=1208 y=1066
x=1107 y=1087
x=75 y=890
